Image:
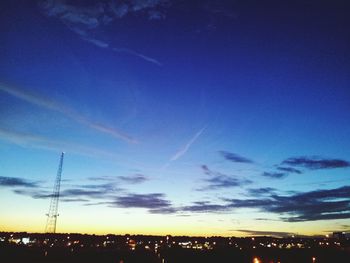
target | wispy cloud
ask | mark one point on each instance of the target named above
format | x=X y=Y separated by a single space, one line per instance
x=326 y=204
x=154 y=202
x=133 y=179
x=233 y=157
x=49 y=104
x=224 y=181
x=103 y=44
x=85 y=19
x=97 y=42
x=289 y=170
x=205 y=207
x=77 y=193
x=315 y=205
x=183 y=150
x=316 y=163
x=40 y=142
x=261 y=191
x=132 y=52
x=12 y=182
x=219 y=180
x=206 y=169
x=274 y=175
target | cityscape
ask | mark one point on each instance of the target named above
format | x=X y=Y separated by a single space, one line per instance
x=174 y=131
x=131 y=248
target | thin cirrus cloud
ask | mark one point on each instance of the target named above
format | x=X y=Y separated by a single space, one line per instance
x=183 y=150
x=103 y=44
x=40 y=142
x=316 y=163
x=137 y=54
x=233 y=157
x=49 y=104
x=85 y=19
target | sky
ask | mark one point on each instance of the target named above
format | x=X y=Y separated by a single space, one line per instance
x=176 y=117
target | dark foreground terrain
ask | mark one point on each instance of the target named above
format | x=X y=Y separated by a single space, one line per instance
x=14 y=254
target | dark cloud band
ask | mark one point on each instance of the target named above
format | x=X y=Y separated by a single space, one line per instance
x=16 y=182
x=233 y=157
x=315 y=163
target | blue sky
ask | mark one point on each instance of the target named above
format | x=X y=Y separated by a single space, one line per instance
x=202 y=117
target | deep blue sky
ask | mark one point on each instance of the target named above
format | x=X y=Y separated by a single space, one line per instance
x=211 y=117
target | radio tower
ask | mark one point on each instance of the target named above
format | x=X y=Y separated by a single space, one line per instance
x=53 y=210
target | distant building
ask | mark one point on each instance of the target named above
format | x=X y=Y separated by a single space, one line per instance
x=339 y=235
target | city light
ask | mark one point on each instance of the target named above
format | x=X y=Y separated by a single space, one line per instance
x=157 y=245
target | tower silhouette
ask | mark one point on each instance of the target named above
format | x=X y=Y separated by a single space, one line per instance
x=53 y=210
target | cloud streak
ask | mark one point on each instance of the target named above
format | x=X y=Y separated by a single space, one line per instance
x=204 y=207
x=183 y=150
x=85 y=19
x=133 y=179
x=316 y=163
x=274 y=175
x=25 y=139
x=134 y=53
x=77 y=193
x=13 y=182
x=233 y=157
x=40 y=142
x=49 y=104
x=261 y=191
x=218 y=180
x=308 y=206
x=154 y=202
x=289 y=170
x=224 y=181
x=326 y=204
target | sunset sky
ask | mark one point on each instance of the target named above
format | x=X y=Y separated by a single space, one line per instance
x=176 y=117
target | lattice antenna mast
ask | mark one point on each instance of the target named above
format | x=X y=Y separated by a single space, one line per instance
x=53 y=210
